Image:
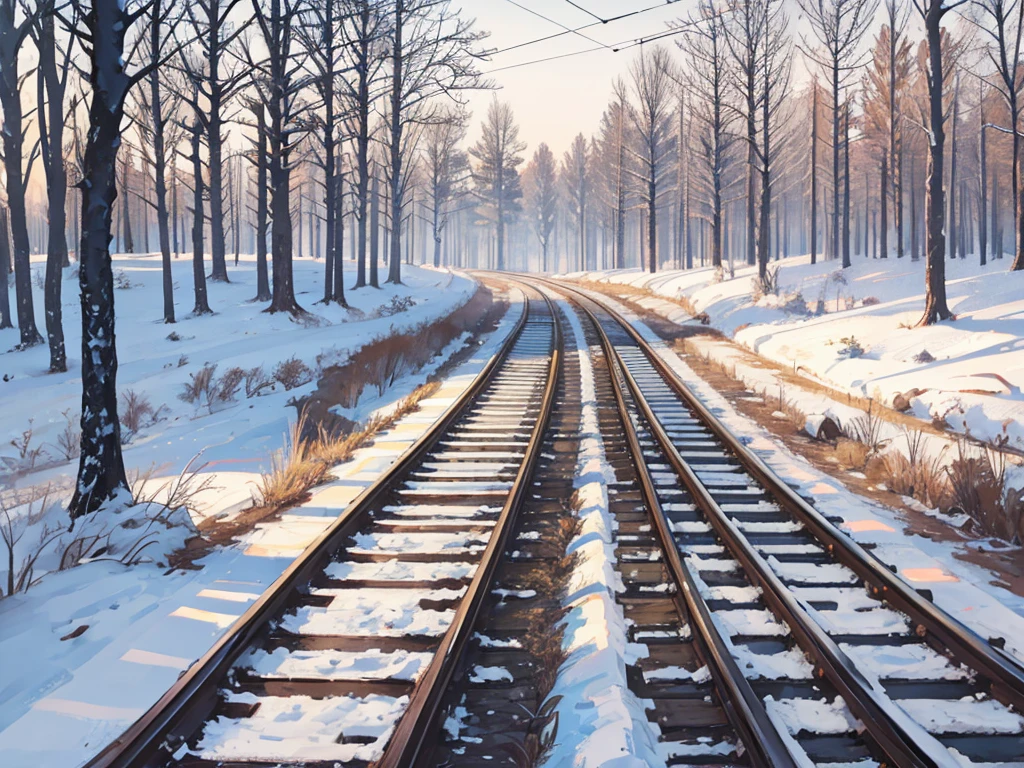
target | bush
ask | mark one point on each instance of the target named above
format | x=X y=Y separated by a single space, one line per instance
x=204 y=388
x=765 y=285
x=256 y=381
x=397 y=305
x=978 y=487
x=870 y=301
x=136 y=413
x=69 y=441
x=849 y=347
x=293 y=373
x=121 y=280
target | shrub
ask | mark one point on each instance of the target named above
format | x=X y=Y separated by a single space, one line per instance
x=69 y=440
x=849 y=347
x=136 y=413
x=978 y=487
x=174 y=336
x=199 y=387
x=915 y=475
x=229 y=384
x=870 y=301
x=256 y=381
x=121 y=280
x=397 y=305
x=765 y=285
x=293 y=373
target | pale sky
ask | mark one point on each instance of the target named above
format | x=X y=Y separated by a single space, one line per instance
x=555 y=100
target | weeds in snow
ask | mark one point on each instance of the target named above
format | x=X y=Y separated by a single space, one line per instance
x=979 y=487
x=69 y=439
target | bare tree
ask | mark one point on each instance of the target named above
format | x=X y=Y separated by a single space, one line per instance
x=838 y=26
x=541 y=182
x=614 y=136
x=446 y=171
x=51 y=87
x=15 y=28
x=937 y=64
x=651 y=115
x=218 y=77
x=153 y=124
x=576 y=181
x=431 y=53
x=496 y=177
x=281 y=89
x=1001 y=23
x=707 y=77
x=885 y=84
x=364 y=40
x=322 y=35
x=101 y=26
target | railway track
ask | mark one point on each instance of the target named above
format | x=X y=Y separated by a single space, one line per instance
x=770 y=637
x=343 y=660
x=819 y=653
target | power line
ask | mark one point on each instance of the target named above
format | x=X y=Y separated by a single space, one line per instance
x=588 y=25
x=625 y=45
x=548 y=19
x=589 y=13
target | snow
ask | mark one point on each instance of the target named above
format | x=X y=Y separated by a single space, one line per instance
x=64 y=700
x=481 y=674
x=299 y=728
x=974 y=382
x=337 y=665
x=608 y=722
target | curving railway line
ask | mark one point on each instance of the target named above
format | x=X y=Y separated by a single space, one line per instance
x=770 y=637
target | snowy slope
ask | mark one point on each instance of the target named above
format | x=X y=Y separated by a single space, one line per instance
x=974 y=381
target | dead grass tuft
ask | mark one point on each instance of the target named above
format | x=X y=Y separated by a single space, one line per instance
x=978 y=486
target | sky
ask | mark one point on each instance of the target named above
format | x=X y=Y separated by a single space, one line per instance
x=555 y=100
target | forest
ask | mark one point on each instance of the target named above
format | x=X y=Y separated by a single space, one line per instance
x=338 y=130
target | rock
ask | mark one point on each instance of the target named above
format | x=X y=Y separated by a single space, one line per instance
x=901 y=401
x=924 y=356
x=822 y=427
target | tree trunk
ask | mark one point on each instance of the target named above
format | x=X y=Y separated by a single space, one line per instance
x=51 y=129
x=338 y=203
x=935 y=233
x=397 y=180
x=5 y=270
x=983 y=180
x=202 y=305
x=262 y=212
x=952 y=174
x=846 y=186
x=14 y=155
x=652 y=220
x=374 y=231
x=814 y=176
x=101 y=474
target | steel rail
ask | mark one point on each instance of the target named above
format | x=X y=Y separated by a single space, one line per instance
x=897 y=735
x=1004 y=673
x=415 y=732
x=745 y=710
x=151 y=740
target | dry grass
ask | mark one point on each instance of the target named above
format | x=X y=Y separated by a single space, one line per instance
x=978 y=486
x=310 y=452
x=622 y=290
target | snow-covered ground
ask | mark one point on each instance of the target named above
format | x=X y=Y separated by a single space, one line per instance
x=970 y=371
x=128 y=632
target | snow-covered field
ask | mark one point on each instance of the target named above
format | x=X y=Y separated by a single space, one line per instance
x=970 y=372
x=86 y=650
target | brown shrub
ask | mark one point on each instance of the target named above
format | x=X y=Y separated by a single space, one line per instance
x=915 y=475
x=293 y=373
x=136 y=412
x=978 y=486
x=256 y=380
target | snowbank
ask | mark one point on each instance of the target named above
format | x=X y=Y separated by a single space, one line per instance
x=971 y=371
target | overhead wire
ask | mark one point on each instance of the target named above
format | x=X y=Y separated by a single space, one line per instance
x=567 y=31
